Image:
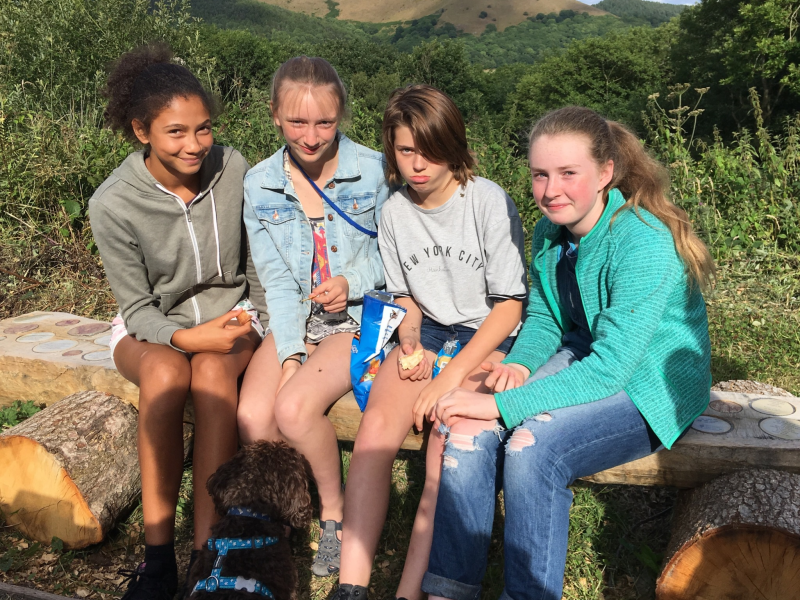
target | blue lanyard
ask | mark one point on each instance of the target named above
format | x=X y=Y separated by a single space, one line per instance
x=338 y=210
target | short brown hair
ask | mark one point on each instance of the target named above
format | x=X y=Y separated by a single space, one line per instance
x=437 y=126
x=311 y=71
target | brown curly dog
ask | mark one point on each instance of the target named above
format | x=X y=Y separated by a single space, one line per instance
x=258 y=492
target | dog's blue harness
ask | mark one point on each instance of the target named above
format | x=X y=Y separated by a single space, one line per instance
x=216 y=581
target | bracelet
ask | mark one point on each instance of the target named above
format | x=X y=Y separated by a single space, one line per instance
x=291 y=358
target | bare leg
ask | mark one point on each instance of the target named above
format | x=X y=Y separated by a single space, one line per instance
x=215 y=395
x=385 y=424
x=256 y=413
x=383 y=427
x=163 y=375
x=300 y=414
x=419 y=548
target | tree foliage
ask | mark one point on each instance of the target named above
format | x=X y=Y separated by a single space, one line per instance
x=613 y=75
x=641 y=12
x=733 y=45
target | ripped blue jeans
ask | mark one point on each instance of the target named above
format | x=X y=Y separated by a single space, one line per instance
x=533 y=464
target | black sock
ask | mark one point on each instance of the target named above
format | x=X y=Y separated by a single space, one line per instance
x=160 y=560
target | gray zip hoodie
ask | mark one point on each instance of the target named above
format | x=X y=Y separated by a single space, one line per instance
x=173 y=265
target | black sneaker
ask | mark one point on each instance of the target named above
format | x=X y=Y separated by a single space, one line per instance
x=145 y=586
x=347 y=591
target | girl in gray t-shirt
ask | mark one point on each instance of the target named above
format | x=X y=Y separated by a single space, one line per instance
x=453 y=253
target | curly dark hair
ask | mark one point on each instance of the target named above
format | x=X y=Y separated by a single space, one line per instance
x=143 y=82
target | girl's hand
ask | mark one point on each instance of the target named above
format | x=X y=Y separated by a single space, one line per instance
x=505 y=376
x=446 y=381
x=465 y=404
x=290 y=367
x=409 y=345
x=218 y=335
x=332 y=294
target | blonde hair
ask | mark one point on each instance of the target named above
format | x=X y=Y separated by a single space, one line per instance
x=437 y=127
x=643 y=181
x=311 y=71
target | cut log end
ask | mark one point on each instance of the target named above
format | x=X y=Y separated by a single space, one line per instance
x=40 y=498
x=736 y=538
x=735 y=562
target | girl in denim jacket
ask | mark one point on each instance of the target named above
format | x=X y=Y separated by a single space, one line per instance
x=315 y=267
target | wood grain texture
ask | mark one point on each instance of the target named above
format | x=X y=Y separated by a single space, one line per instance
x=16 y=592
x=70 y=470
x=702 y=455
x=736 y=538
x=346 y=417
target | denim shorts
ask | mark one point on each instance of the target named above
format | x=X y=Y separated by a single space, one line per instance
x=433 y=335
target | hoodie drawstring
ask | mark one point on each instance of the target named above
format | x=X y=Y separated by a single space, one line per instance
x=216 y=233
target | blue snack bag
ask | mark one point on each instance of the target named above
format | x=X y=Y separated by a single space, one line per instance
x=449 y=350
x=380 y=316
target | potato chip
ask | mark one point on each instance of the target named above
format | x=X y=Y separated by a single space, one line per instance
x=412 y=360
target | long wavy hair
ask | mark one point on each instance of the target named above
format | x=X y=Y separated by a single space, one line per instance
x=643 y=181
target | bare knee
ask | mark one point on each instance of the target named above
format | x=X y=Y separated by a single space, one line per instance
x=291 y=415
x=210 y=371
x=255 y=418
x=372 y=432
x=164 y=380
x=463 y=435
x=521 y=438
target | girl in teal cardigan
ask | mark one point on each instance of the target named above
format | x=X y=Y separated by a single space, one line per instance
x=612 y=363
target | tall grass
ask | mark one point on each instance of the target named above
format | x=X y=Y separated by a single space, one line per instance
x=740 y=195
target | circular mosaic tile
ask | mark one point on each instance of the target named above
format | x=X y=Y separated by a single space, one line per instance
x=31 y=318
x=785 y=429
x=68 y=322
x=55 y=346
x=103 y=341
x=706 y=424
x=73 y=353
x=772 y=406
x=725 y=406
x=89 y=329
x=33 y=338
x=15 y=329
x=95 y=356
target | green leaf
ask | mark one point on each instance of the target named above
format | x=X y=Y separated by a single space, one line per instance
x=57 y=544
x=73 y=208
x=6 y=562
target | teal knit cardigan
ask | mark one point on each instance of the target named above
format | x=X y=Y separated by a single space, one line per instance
x=648 y=323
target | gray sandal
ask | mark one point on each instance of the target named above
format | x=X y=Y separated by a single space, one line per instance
x=329 y=552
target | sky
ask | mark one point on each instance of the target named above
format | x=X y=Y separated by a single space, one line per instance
x=664 y=1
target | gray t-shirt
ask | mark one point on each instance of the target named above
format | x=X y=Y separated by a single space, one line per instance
x=458 y=259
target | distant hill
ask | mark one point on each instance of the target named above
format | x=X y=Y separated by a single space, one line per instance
x=470 y=16
x=641 y=12
x=530 y=40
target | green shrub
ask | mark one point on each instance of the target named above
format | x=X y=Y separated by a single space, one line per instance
x=740 y=195
x=17 y=412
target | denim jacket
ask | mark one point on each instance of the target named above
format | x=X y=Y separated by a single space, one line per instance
x=281 y=239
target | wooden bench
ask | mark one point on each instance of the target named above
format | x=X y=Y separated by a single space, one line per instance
x=738 y=528
x=46 y=356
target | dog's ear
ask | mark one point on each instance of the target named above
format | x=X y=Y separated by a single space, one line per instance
x=298 y=500
x=283 y=483
x=233 y=482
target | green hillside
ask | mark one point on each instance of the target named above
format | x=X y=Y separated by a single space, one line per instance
x=525 y=43
x=641 y=12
